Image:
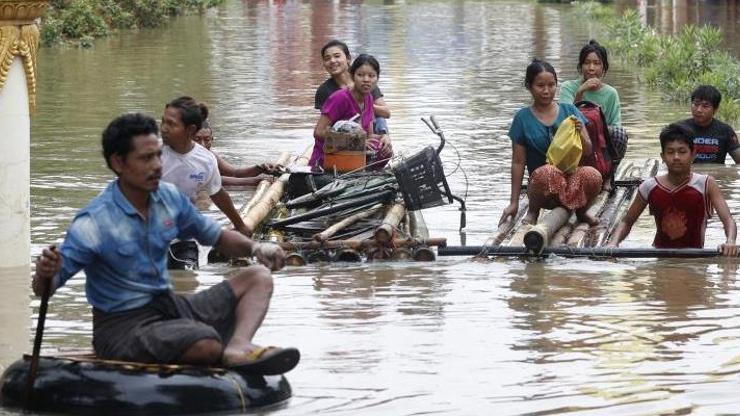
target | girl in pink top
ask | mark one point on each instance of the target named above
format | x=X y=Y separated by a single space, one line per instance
x=348 y=104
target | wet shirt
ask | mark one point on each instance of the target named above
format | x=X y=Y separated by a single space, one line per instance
x=193 y=173
x=606 y=97
x=528 y=131
x=713 y=142
x=123 y=254
x=330 y=86
x=342 y=106
x=681 y=213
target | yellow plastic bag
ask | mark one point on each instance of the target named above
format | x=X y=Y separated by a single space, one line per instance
x=565 y=149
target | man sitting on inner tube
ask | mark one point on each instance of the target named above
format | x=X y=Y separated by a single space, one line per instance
x=121 y=239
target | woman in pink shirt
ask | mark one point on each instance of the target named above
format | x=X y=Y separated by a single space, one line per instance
x=348 y=104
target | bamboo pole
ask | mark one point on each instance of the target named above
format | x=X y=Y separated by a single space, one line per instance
x=406 y=224
x=348 y=255
x=384 y=232
x=424 y=254
x=320 y=256
x=402 y=253
x=261 y=209
x=561 y=236
x=504 y=229
x=649 y=169
x=538 y=236
x=295 y=259
x=577 y=236
x=359 y=244
x=333 y=229
x=349 y=205
x=603 y=252
x=417 y=226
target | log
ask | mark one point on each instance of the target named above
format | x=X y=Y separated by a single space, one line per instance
x=333 y=229
x=601 y=252
x=261 y=209
x=384 y=233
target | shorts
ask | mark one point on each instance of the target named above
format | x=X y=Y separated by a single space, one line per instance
x=161 y=331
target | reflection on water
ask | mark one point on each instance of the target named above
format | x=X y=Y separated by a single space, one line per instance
x=455 y=336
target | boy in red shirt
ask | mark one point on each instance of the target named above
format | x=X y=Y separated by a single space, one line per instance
x=681 y=201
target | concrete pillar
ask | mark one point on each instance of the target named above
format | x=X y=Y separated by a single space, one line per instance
x=15 y=169
x=19 y=37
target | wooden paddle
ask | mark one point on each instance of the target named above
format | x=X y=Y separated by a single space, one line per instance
x=33 y=368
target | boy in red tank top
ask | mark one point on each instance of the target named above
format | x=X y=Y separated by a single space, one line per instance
x=681 y=201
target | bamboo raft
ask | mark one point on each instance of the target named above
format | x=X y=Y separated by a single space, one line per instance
x=353 y=216
x=558 y=230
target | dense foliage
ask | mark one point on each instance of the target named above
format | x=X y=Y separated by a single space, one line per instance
x=81 y=21
x=675 y=64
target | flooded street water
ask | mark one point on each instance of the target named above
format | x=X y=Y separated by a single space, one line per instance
x=505 y=337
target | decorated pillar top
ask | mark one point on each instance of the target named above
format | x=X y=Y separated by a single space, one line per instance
x=21 y=12
x=19 y=37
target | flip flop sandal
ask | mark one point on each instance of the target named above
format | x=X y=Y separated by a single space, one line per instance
x=269 y=361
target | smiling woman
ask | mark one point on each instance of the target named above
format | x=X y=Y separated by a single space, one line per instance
x=350 y=104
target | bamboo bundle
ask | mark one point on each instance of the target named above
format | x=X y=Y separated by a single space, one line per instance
x=261 y=209
x=359 y=244
x=384 y=233
x=263 y=186
x=333 y=229
x=594 y=235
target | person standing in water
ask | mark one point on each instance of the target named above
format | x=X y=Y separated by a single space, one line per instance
x=230 y=174
x=188 y=165
x=680 y=200
x=713 y=139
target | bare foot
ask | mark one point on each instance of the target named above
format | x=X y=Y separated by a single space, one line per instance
x=531 y=217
